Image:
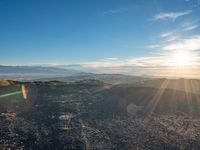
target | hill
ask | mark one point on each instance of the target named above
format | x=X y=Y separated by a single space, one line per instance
x=187 y=85
x=107 y=78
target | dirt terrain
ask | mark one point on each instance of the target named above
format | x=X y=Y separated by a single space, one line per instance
x=92 y=115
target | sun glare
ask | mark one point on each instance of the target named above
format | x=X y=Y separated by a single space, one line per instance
x=181 y=59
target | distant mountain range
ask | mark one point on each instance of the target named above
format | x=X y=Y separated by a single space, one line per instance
x=34 y=69
x=46 y=73
x=33 y=72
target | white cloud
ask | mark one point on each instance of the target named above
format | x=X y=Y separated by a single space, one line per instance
x=166 y=34
x=169 y=36
x=111 y=58
x=191 y=27
x=190 y=43
x=171 y=15
x=153 y=46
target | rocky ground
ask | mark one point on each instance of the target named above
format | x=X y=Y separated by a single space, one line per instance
x=71 y=116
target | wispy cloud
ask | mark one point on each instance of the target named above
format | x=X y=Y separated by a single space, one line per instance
x=153 y=46
x=176 y=34
x=191 y=27
x=169 y=36
x=166 y=34
x=112 y=58
x=171 y=15
x=190 y=43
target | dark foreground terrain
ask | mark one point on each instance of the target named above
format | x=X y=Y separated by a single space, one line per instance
x=90 y=114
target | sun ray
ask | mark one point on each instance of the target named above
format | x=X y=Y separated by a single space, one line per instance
x=156 y=98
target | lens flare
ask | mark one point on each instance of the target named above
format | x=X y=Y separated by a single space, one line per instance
x=10 y=94
x=24 y=91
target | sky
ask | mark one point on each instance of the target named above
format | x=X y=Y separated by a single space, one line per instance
x=116 y=35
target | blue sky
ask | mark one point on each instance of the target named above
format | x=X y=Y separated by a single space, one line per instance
x=95 y=31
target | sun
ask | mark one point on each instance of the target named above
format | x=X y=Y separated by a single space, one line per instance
x=181 y=59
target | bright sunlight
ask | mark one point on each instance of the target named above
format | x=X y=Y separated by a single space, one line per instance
x=181 y=59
